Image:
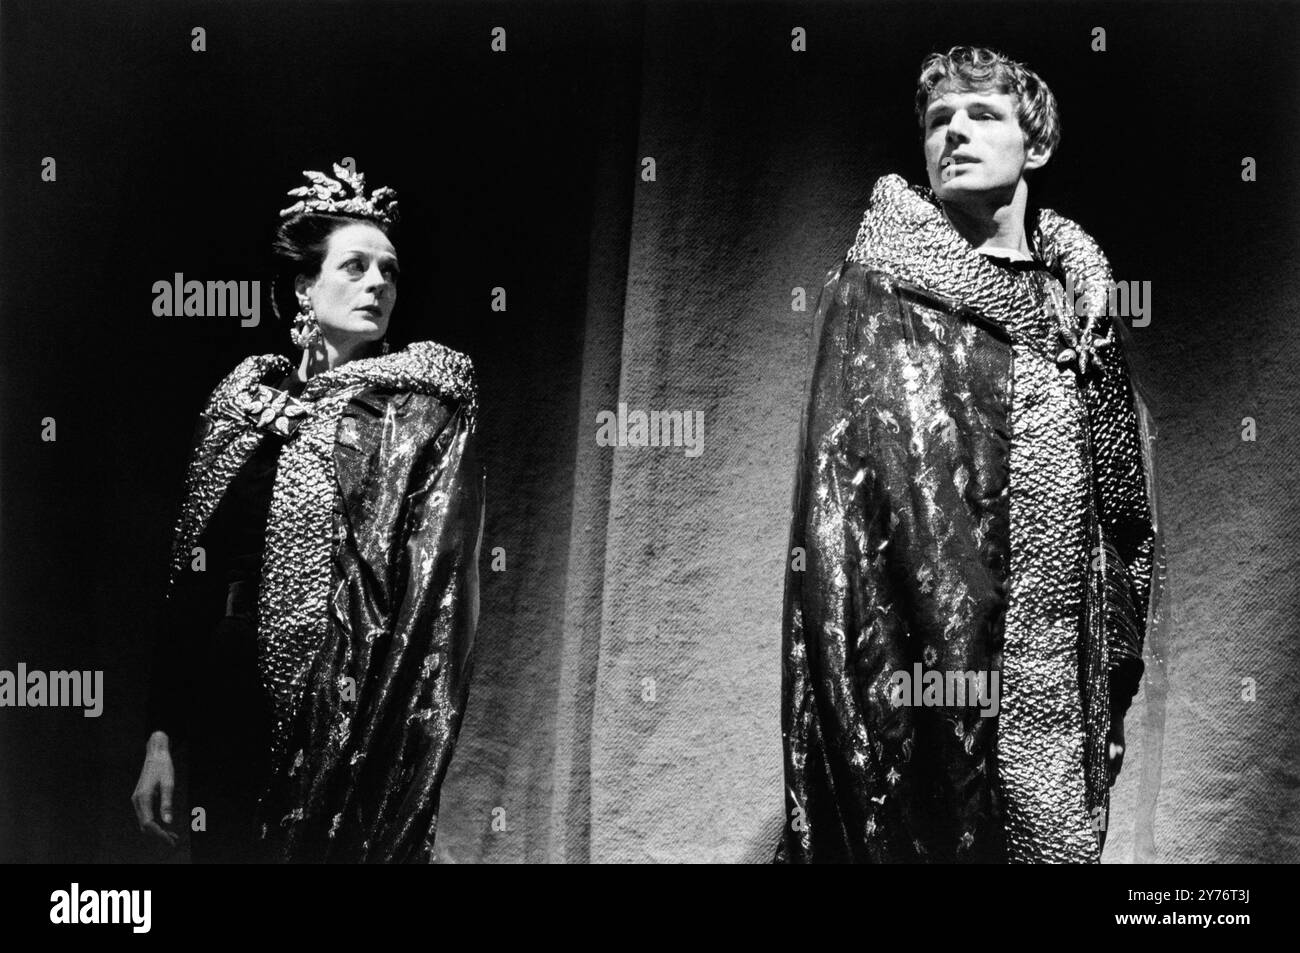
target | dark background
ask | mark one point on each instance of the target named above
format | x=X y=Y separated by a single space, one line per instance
x=521 y=170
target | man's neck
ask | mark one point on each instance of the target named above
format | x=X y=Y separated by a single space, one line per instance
x=992 y=220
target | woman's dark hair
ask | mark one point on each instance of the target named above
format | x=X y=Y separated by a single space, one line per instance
x=299 y=249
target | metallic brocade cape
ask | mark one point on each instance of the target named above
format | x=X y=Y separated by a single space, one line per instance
x=963 y=503
x=368 y=595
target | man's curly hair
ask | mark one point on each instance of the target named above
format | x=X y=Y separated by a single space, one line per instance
x=974 y=69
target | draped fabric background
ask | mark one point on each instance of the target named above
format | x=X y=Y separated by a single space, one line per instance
x=625 y=703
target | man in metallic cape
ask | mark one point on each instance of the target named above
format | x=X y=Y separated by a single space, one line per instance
x=368 y=594
x=972 y=511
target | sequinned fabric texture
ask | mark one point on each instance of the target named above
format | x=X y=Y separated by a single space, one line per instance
x=956 y=481
x=368 y=593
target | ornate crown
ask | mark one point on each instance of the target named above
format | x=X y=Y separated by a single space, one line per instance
x=346 y=194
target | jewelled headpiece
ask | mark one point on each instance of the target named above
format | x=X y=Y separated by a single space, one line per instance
x=345 y=194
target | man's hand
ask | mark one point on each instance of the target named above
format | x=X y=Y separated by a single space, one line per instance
x=1115 y=747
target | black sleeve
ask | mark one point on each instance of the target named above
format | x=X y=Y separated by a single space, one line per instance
x=170 y=675
x=172 y=661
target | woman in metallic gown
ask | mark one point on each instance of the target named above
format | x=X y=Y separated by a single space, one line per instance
x=323 y=592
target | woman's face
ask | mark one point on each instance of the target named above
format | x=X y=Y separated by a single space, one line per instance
x=354 y=294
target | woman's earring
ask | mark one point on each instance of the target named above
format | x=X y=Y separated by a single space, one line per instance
x=383 y=346
x=306 y=329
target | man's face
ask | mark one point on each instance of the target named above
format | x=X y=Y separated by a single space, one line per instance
x=974 y=145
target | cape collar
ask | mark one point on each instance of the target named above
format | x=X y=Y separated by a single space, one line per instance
x=905 y=232
x=424 y=367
